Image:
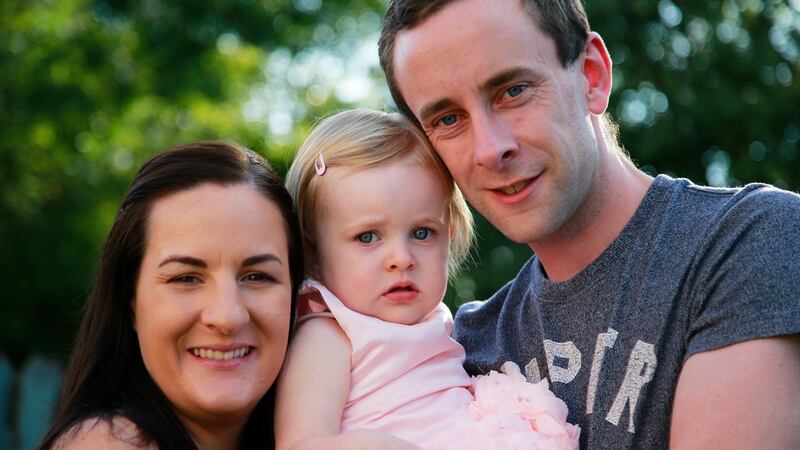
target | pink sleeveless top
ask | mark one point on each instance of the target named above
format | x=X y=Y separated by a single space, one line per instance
x=406 y=380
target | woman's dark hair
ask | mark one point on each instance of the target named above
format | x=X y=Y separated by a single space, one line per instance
x=106 y=376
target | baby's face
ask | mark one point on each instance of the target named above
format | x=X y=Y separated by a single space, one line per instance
x=382 y=239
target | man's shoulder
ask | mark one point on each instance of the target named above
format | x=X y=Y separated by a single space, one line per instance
x=758 y=210
x=768 y=198
x=753 y=196
x=714 y=212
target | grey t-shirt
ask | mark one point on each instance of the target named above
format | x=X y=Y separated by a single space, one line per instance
x=695 y=269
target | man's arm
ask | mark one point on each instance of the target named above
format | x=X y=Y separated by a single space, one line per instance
x=742 y=396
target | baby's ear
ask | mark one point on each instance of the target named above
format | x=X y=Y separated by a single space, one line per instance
x=312 y=267
x=452 y=230
x=310 y=301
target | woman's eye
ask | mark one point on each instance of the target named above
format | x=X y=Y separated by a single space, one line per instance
x=367 y=238
x=448 y=120
x=185 y=279
x=421 y=233
x=257 y=277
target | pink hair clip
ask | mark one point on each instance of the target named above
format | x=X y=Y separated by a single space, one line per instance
x=319 y=165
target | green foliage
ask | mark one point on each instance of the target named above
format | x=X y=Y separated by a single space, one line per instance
x=707 y=90
x=91 y=89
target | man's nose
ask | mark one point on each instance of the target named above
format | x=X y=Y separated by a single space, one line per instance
x=494 y=144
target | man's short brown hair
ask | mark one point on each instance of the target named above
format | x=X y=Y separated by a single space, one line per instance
x=564 y=21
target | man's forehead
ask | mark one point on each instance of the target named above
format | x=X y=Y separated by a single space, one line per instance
x=472 y=40
x=461 y=25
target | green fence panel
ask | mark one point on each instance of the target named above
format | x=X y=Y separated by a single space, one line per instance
x=39 y=384
x=6 y=389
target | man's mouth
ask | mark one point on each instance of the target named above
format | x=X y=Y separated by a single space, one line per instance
x=514 y=188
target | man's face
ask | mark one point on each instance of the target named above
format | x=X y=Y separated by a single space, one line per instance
x=511 y=123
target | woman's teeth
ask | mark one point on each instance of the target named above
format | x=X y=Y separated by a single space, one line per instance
x=217 y=355
x=514 y=188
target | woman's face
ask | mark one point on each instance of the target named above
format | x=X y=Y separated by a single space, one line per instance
x=213 y=301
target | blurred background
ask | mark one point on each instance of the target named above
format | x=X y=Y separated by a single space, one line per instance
x=90 y=89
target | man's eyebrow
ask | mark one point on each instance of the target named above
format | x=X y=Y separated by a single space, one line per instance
x=434 y=108
x=260 y=259
x=506 y=76
x=494 y=82
x=188 y=260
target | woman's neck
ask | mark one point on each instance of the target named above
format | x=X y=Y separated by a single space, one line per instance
x=214 y=437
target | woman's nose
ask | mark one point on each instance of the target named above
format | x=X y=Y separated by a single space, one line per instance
x=225 y=309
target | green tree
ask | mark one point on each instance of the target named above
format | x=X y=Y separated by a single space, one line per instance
x=90 y=89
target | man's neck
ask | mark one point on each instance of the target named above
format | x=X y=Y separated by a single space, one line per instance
x=617 y=192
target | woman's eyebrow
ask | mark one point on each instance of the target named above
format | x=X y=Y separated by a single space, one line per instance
x=261 y=258
x=188 y=260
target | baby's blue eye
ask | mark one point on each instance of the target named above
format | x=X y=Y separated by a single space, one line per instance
x=421 y=233
x=514 y=91
x=367 y=238
x=448 y=120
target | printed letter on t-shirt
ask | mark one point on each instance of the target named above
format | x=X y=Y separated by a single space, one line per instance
x=566 y=350
x=641 y=367
x=532 y=371
x=604 y=341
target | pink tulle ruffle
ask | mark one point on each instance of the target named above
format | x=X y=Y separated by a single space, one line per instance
x=509 y=413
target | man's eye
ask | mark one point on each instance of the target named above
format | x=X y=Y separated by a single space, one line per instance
x=514 y=91
x=448 y=120
x=367 y=238
x=421 y=233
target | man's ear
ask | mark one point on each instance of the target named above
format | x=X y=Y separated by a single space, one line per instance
x=596 y=72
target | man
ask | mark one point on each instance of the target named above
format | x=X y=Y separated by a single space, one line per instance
x=662 y=312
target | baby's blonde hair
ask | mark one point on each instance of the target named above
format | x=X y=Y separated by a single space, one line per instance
x=363 y=138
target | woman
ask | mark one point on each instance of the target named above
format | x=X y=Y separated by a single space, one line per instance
x=188 y=322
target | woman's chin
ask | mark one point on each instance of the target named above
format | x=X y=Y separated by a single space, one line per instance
x=222 y=401
x=219 y=393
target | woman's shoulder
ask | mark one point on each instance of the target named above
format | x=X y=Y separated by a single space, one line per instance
x=119 y=433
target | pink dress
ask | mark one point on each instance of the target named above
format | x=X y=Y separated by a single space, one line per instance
x=408 y=380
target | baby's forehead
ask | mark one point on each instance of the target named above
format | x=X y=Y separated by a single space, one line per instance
x=407 y=162
x=385 y=185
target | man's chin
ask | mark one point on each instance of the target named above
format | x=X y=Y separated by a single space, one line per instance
x=521 y=230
